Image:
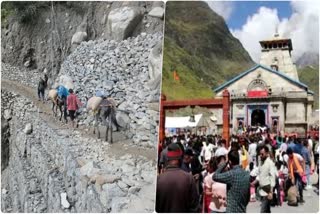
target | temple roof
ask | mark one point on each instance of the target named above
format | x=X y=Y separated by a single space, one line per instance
x=283 y=75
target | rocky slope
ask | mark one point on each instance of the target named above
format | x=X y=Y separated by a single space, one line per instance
x=129 y=71
x=199 y=46
x=125 y=62
x=124 y=70
x=50 y=169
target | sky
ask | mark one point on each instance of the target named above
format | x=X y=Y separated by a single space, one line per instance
x=252 y=21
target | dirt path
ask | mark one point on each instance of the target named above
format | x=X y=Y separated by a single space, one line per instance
x=118 y=149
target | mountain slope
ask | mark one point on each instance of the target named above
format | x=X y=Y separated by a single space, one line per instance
x=199 y=46
x=308 y=71
x=310 y=76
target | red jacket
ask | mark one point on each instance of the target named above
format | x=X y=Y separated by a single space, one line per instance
x=72 y=102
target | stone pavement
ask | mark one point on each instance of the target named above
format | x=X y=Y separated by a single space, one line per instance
x=311 y=204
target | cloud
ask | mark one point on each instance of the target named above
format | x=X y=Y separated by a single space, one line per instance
x=223 y=8
x=259 y=26
x=302 y=27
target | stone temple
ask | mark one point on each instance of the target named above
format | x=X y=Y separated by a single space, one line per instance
x=269 y=93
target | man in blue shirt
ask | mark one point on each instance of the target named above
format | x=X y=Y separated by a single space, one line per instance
x=306 y=156
x=291 y=143
x=298 y=147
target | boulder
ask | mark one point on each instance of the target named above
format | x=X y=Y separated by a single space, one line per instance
x=122 y=22
x=4 y=191
x=78 y=37
x=7 y=114
x=157 y=12
x=64 y=202
x=103 y=179
x=134 y=190
x=113 y=190
x=118 y=203
x=90 y=169
x=122 y=118
x=27 y=63
x=28 y=128
x=65 y=81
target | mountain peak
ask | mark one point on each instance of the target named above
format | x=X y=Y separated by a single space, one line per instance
x=308 y=59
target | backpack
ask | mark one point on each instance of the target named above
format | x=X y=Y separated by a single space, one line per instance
x=292 y=196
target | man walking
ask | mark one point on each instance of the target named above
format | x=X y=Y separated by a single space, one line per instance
x=237 y=181
x=307 y=159
x=267 y=179
x=176 y=189
x=42 y=85
x=296 y=167
x=72 y=105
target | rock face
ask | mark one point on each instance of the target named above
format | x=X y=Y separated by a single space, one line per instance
x=5 y=141
x=54 y=170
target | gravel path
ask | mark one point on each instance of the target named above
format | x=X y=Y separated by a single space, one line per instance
x=118 y=148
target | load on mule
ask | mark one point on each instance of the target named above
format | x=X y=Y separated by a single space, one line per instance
x=58 y=97
x=103 y=109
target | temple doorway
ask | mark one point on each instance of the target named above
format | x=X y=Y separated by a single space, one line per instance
x=258 y=118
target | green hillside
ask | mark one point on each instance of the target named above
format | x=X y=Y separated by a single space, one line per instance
x=310 y=76
x=199 y=46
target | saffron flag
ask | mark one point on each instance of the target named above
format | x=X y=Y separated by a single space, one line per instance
x=176 y=76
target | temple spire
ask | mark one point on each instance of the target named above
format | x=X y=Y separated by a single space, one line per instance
x=277 y=31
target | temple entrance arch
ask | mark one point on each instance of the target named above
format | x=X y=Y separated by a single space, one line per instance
x=258 y=118
x=223 y=103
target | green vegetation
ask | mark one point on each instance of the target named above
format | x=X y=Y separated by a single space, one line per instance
x=189 y=85
x=6 y=10
x=199 y=46
x=309 y=75
x=24 y=12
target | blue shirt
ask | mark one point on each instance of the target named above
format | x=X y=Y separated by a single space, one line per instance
x=292 y=145
x=306 y=155
x=298 y=148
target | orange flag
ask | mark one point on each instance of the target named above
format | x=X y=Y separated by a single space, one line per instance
x=176 y=76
